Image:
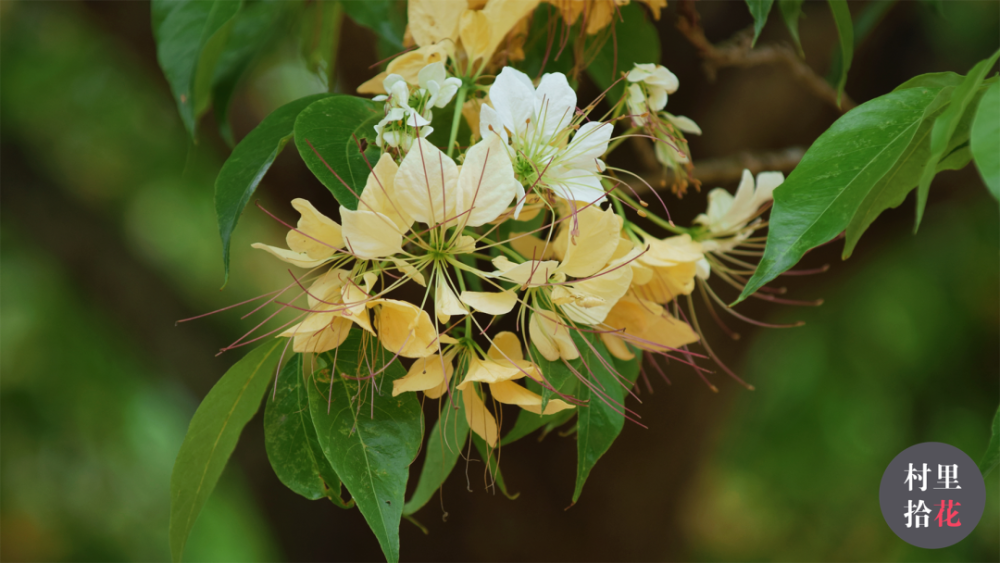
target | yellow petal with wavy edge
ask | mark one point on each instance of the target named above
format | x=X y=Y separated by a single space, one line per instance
x=318 y=236
x=491 y=303
x=588 y=252
x=379 y=194
x=370 y=235
x=426 y=374
x=426 y=184
x=355 y=308
x=489 y=371
x=410 y=271
x=486 y=183
x=404 y=328
x=532 y=247
x=551 y=338
x=530 y=273
x=446 y=303
x=505 y=346
x=474 y=31
x=510 y=393
x=479 y=418
x=666 y=283
x=323 y=340
x=597 y=295
x=503 y=15
x=434 y=20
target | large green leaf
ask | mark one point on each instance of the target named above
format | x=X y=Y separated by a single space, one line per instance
x=892 y=188
x=445 y=443
x=190 y=37
x=601 y=420
x=212 y=436
x=932 y=80
x=290 y=439
x=845 y=30
x=759 y=9
x=244 y=169
x=991 y=457
x=791 y=11
x=387 y=18
x=835 y=175
x=330 y=127
x=635 y=40
x=254 y=28
x=947 y=123
x=985 y=139
x=369 y=437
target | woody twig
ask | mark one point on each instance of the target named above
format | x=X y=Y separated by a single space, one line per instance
x=716 y=171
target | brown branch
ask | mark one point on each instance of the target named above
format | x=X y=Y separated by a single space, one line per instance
x=715 y=171
x=737 y=52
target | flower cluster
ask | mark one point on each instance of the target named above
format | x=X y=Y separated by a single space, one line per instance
x=482 y=269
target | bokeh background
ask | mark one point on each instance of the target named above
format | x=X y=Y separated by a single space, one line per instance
x=108 y=237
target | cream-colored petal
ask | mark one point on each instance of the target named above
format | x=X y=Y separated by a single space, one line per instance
x=670 y=251
x=491 y=303
x=474 y=31
x=506 y=346
x=591 y=250
x=666 y=283
x=489 y=371
x=299 y=259
x=425 y=374
x=617 y=346
x=530 y=273
x=426 y=184
x=446 y=303
x=552 y=338
x=510 y=393
x=479 y=418
x=431 y=21
x=327 y=287
x=598 y=295
x=404 y=328
x=323 y=340
x=356 y=306
x=370 y=235
x=379 y=194
x=410 y=271
x=373 y=85
x=318 y=236
x=486 y=184
x=532 y=247
x=503 y=15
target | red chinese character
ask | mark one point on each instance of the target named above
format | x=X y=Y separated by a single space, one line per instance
x=943 y=518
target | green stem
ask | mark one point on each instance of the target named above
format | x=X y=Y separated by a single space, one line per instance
x=474 y=282
x=654 y=218
x=456 y=118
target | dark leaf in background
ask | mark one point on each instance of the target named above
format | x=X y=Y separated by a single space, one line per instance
x=246 y=166
x=369 y=437
x=320 y=36
x=444 y=444
x=212 y=436
x=845 y=30
x=290 y=438
x=387 y=18
x=190 y=37
x=635 y=41
x=991 y=458
x=791 y=11
x=985 y=139
x=330 y=127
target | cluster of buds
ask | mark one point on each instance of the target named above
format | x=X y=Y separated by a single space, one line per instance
x=409 y=115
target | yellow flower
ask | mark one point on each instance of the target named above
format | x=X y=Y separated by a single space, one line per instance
x=430 y=375
x=646 y=325
x=599 y=13
x=335 y=302
x=405 y=329
x=316 y=241
x=673 y=262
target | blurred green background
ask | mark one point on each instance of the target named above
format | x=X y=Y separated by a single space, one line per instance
x=108 y=236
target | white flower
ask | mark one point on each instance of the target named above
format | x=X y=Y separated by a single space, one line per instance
x=434 y=79
x=537 y=122
x=658 y=80
x=397 y=129
x=727 y=215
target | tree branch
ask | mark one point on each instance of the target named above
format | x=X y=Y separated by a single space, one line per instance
x=737 y=52
x=715 y=171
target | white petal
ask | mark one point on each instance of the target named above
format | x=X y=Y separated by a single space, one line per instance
x=300 y=259
x=576 y=184
x=685 y=124
x=555 y=103
x=766 y=182
x=490 y=123
x=513 y=97
x=419 y=188
x=486 y=184
x=433 y=72
x=370 y=235
x=589 y=143
x=657 y=98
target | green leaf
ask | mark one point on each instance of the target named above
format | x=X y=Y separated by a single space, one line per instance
x=254 y=29
x=369 y=437
x=871 y=14
x=387 y=18
x=947 y=123
x=759 y=9
x=791 y=11
x=290 y=439
x=445 y=443
x=331 y=126
x=321 y=40
x=991 y=457
x=892 y=188
x=601 y=420
x=244 y=169
x=212 y=436
x=845 y=30
x=985 y=139
x=493 y=475
x=637 y=42
x=190 y=37
x=932 y=80
x=835 y=175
